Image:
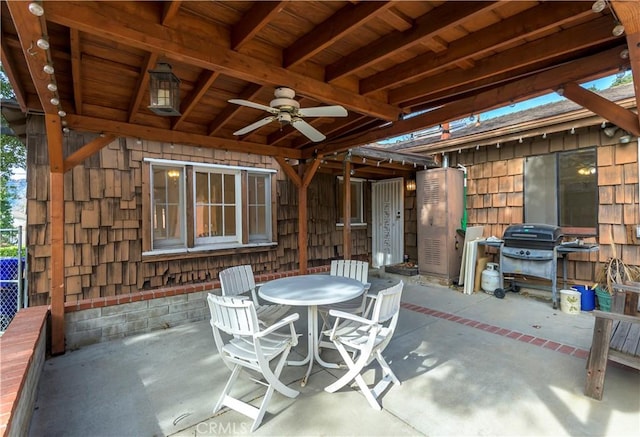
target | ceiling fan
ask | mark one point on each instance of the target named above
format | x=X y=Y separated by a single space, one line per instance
x=286 y=110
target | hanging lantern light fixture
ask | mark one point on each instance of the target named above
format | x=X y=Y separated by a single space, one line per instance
x=164 y=90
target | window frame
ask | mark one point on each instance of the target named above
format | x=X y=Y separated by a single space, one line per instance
x=359 y=183
x=556 y=178
x=188 y=207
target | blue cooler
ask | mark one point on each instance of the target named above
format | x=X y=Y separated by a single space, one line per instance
x=587 y=297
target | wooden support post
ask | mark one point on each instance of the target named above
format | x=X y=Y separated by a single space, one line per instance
x=346 y=209
x=301 y=181
x=57 y=262
x=56 y=211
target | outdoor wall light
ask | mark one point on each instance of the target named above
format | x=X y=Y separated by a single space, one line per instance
x=610 y=131
x=410 y=185
x=626 y=138
x=164 y=91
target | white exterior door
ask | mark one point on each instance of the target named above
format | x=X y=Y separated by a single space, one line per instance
x=388 y=222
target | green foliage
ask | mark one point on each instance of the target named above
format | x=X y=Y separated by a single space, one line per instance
x=627 y=78
x=13 y=155
x=11 y=251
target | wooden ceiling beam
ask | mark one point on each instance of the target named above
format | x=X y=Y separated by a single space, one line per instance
x=31 y=28
x=230 y=111
x=529 y=54
x=449 y=14
x=141 y=86
x=590 y=66
x=76 y=69
x=346 y=20
x=106 y=21
x=616 y=114
x=253 y=21
x=629 y=15
x=117 y=128
x=536 y=20
x=169 y=11
x=205 y=81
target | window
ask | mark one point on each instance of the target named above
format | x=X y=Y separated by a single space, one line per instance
x=217 y=205
x=561 y=189
x=221 y=206
x=357 y=208
x=168 y=205
x=259 y=207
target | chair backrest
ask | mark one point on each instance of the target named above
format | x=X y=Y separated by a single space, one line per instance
x=233 y=315
x=238 y=280
x=349 y=268
x=387 y=305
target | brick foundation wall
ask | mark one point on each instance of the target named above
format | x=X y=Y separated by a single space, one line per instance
x=102 y=319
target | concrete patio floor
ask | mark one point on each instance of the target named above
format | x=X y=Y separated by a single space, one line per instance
x=470 y=365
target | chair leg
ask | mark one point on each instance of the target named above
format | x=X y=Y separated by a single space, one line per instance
x=354 y=369
x=367 y=393
x=273 y=377
x=386 y=369
x=227 y=388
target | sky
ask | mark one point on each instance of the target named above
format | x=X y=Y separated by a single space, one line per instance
x=599 y=84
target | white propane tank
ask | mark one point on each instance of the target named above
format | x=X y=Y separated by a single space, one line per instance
x=490 y=278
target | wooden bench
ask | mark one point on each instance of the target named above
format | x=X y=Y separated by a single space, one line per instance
x=616 y=337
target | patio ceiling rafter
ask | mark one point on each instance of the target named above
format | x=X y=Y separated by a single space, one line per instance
x=102 y=20
x=501 y=34
x=596 y=65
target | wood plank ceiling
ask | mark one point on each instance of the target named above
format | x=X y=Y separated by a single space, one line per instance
x=383 y=61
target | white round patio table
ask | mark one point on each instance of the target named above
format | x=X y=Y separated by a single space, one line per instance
x=311 y=291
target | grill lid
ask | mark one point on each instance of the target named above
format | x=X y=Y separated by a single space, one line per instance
x=532 y=235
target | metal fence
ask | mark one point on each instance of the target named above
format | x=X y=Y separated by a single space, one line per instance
x=12 y=273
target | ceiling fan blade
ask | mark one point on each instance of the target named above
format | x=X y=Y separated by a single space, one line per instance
x=254 y=126
x=307 y=130
x=323 y=111
x=253 y=105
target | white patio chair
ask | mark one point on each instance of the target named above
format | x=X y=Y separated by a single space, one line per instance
x=239 y=280
x=358 y=270
x=247 y=347
x=367 y=337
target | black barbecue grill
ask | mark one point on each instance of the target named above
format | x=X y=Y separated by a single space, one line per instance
x=531 y=249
